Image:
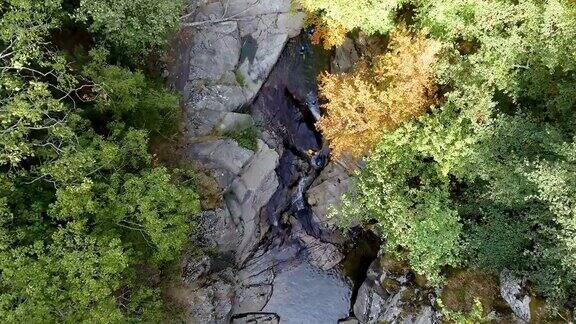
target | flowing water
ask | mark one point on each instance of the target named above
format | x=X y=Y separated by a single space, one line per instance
x=287 y=108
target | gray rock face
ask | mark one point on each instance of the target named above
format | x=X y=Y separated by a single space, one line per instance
x=388 y=296
x=194 y=269
x=234 y=46
x=326 y=192
x=256 y=277
x=345 y=57
x=217 y=231
x=249 y=192
x=510 y=290
x=234 y=122
x=321 y=254
x=223 y=156
x=209 y=303
x=249 y=180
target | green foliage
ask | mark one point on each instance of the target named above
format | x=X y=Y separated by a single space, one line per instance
x=131 y=27
x=246 y=138
x=475 y=316
x=370 y=16
x=131 y=97
x=23 y=26
x=72 y=278
x=498 y=241
x=523 y=50
x=81 y=205
x=409 y=195
x=488 y=178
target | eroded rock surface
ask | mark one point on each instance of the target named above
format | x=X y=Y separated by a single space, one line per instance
x=519 y=301
x=345 y=57
x=390 y=295
x=326 y=193
x=228 y=48
x=266 y=257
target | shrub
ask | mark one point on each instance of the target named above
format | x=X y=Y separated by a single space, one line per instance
x=379 y=95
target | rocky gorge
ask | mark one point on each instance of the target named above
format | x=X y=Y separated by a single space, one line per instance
x=274 y=255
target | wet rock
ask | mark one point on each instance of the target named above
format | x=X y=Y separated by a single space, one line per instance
x=511 y=291
x=345 y=57
x=389 y=295
x=256 y=318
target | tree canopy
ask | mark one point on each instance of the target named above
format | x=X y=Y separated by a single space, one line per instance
x=82 y=205
x=486 y=178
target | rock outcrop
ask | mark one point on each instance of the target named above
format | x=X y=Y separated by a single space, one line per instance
x=345 y=57
x=511 y=291
x=265 y=261
x=390 y=295
x=325 y=193
x=228 y=48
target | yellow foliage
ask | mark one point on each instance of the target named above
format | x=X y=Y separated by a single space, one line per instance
x=328 y=32
x=379 y=95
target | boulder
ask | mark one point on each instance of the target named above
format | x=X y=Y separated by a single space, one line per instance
x=390 y=295
x=345 y=57
x=326 y=192
x=223 y=156
x=511 y=291
x=234 y=122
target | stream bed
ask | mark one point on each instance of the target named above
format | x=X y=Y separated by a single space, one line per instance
x=270 y=257
x=309 y=290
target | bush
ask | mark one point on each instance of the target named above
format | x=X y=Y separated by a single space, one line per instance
x=370 y=16
x=379 y=95
x=132 y=98
x=81 y=207
x=132 y=28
